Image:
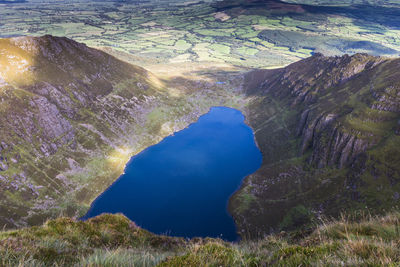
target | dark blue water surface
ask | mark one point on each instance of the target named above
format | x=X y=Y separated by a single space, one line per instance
x=181 y=186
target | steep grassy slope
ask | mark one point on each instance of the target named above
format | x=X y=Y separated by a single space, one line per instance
x=329 y=131
x=113 y=240
x=71 y=117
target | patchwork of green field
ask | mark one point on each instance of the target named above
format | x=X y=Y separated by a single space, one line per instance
x=256 y=34
x=345 y=2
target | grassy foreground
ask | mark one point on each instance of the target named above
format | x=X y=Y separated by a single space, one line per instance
x=113 y=240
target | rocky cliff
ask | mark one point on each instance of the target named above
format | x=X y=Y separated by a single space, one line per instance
x=328 y=128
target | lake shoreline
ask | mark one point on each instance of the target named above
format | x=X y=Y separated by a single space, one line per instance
x=244 y=132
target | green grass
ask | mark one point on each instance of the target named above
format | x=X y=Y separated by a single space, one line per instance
x=182 y=45
x=112 y=240
x=64 y=240
x=123 y=257
x=247 y=51
x=220 y=49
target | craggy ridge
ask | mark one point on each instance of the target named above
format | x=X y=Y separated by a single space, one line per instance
x=328 y=128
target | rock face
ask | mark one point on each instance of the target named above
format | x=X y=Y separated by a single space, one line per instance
x=49 y=86
x=329 y=144
x=328 y=129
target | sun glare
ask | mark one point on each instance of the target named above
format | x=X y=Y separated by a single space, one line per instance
x=119 y=157
x=15 y=64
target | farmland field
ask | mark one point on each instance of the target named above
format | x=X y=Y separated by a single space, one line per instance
x=258 y=34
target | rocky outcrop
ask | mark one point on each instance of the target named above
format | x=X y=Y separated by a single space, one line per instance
x=387 y=100
x=331 y=147
x=328 y=141
x=59 y=131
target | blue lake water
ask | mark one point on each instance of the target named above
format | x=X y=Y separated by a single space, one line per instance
x=182 y=185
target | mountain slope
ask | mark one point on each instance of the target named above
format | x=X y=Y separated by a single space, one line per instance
x=71 y=117
x=328 y=128
x=58 y=114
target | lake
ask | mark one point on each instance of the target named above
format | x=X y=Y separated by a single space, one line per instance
x=181 y=186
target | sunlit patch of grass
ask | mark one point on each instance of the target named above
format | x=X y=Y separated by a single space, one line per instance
x=119 y=157
x=247 y=51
